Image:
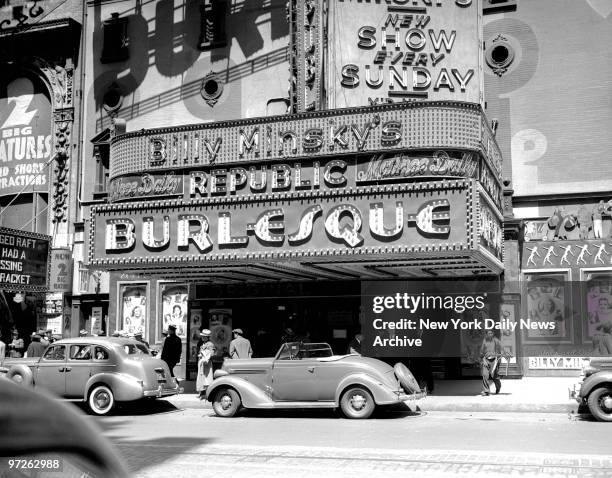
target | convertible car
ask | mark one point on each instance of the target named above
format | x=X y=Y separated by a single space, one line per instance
x=308 y=375
x=98 y=370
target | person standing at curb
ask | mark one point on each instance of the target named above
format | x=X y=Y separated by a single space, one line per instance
x=490 y=352
x=205 y=365
x=240 y=348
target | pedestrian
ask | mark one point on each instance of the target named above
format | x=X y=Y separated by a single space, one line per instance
x=2 y=348
x=138 y=337
x=240 y=348
x=43 y=337
x=16 y=346
x=490 y=353
x=288 y=336
x=354 y=346
x=172 y=349
x=205 y=364
x=50 y=337
x=36 y=348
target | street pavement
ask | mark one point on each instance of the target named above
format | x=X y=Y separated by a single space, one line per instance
x=161 y=440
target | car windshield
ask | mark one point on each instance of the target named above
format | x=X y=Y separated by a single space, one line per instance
x=298 y=351
x=135 y=349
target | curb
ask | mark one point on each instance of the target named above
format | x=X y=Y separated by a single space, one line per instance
x=431 y=406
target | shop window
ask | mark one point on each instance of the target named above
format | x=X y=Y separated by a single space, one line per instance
x=212 y=24
x=115 y=46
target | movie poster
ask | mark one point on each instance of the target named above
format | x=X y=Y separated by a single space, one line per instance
x=220 y=321
x=174 y=308
x=134 y=302
x=547 y=301
x=599 y=307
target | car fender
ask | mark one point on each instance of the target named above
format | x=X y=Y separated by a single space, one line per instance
x=251 y=395
x=125 y=387
x=594 y=381
x=382 y=394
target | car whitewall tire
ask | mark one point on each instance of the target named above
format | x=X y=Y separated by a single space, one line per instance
x=101 y=400
x=226 y=402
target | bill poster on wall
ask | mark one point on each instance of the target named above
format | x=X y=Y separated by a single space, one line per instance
x=134 y=303
x=548 y=300
x=471 y=339
x=220 y=321
x=96 y=321
x=25 y=137
x=174 y=307
x=599 y=307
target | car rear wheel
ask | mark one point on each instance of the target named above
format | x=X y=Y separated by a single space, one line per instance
x=600 y=404
x=226 y=402
x=21 y=375
x=101 y=400
x=357 y=402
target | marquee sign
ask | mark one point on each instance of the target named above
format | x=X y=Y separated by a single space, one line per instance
x=24 y=260
x=313 y=136
x=400 y=50
x=407 y=218
x=299 y=177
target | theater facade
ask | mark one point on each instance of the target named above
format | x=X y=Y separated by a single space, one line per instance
x=380 y=164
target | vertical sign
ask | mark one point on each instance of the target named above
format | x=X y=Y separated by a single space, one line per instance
x=396 y=50
x=61 y=270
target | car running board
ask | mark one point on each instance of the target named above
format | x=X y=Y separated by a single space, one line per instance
x=329 y=404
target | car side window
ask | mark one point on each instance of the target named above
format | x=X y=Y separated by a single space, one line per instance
x=55 y=352
x=289 y=352
x=100 y=353
x=80 y=352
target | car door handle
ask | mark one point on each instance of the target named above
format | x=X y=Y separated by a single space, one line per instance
x=61 y=369
x=68 y=369
x=311 y=369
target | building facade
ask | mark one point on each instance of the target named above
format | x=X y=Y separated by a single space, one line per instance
x=252 y=164
x=40 y=81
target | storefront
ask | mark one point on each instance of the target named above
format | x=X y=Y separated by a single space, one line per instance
x=271 y=223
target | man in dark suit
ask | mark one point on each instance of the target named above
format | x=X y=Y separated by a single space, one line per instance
x=172 y=349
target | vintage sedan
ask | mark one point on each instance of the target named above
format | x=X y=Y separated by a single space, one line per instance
x=98 y=370
x=594 y=390
x=308 y=375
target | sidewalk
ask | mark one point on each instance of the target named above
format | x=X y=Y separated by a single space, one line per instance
x=530 y=394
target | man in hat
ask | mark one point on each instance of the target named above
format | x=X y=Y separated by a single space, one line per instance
x=43 y=337
x=36 y=348
x=172 y=349
x=49 y=334
x=240 y=348
x=138 y=337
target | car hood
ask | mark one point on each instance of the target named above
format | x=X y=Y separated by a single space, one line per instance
x=601 y=363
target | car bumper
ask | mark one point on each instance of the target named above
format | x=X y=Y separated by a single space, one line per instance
x=413 y=397
x=163 y=392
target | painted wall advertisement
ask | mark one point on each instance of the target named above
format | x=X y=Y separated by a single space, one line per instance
x=24 y=260
x=25 y=137
x=396 y=50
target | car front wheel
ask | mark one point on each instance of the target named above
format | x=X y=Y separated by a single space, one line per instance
x=226 y=402
x=101 y=400
x=600 y=404
x=357 y=402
